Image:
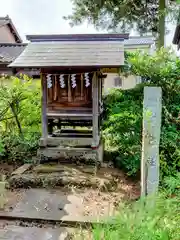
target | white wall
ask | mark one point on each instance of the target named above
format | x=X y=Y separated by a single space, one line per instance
x=127 y=83
x=130 y=81
x=109 y=80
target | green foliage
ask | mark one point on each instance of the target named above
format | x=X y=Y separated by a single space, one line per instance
x=122 y=15
x=19 y=119
x=122 y=127
x=171 y=185
x=152 y=218
x=1 y=148
x=123 y=117
x=144 y=220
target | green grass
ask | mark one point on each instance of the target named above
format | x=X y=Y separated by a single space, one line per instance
x=144 y=220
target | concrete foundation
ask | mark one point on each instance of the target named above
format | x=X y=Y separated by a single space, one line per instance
x=72 y=153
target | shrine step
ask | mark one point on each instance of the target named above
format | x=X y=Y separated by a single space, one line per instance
x=66 y=140
x=75 y=153
x=73 y=133
x=75 y=123
x=74 y=130
x=69 y=116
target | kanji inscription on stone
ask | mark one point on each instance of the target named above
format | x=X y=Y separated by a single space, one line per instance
x=152 y=107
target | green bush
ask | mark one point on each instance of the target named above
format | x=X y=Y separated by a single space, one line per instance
x=19 y=119
x=122 y=127
x=144 y=220
x=171 y=184
x=123 y=113
x=152 y=218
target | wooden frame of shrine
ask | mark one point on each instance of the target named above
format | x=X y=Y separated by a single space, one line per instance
x=72 y=72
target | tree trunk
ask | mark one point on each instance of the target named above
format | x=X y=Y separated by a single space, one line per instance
x=16 y=119
x=161 y=30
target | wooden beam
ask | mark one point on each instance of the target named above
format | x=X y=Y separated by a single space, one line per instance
x=82 y=86
x=55 y=87
x=100 y=95
x=69 y=89
x=95 y=110
x=44 y=108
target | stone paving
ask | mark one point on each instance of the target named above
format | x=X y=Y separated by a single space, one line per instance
x=62 y=205
x=32 y=233
x=44 y=204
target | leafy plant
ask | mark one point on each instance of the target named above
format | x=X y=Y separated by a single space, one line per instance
x=144 y=220
x=123 y=15
x=1 y=148
x=19 y=118
x=122 y=127
x=172 y=184
x=123 y=113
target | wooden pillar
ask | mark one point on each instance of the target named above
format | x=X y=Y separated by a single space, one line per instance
x=82 y=86
x=44 y=107
x=69 y=89
x=151 y=137
x=55 y=87
x=100 y=95
x=95 y=111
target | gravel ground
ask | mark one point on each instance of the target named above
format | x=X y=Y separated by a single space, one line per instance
x=95 y=203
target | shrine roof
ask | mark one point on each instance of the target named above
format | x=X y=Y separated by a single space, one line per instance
x=6 y=21
x=10 y=51
x=138 y=41
x=79 y=50
x=77 y=37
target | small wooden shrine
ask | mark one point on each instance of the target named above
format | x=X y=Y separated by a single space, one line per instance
x=72 y=71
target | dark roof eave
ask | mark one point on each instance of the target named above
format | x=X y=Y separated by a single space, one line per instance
x=4 y=63
x=66 y=37
x=13 y=44
x=14 y=31
x=65 y=67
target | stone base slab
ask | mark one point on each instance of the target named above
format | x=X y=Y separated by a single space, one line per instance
x=65 y=141
x=33 y=233
x=72 y=153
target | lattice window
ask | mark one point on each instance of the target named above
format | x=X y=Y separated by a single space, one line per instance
x=118 y=82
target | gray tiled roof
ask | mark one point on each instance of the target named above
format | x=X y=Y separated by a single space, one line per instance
x=139 y=41
x=7 y=21
x=9 y=52
x=3 y=21
x=88 y=53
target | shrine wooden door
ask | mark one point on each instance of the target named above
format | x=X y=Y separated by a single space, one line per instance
x=68 y=91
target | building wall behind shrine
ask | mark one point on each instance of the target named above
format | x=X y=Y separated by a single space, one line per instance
x=5 y=35
x=130 y=81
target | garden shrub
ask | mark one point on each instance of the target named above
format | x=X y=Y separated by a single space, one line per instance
x=19 y=119
x=144 y=220
x=122 y=128
x=171 y=185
